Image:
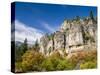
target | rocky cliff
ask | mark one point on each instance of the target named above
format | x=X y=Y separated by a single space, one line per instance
x=73 y=35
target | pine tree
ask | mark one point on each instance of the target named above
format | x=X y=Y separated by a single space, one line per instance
x=52 y=37
x=36 y=45
x=77 y=18
x=25 y=45
x=91 y=15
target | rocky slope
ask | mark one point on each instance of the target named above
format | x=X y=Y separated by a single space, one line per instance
x=73 y=35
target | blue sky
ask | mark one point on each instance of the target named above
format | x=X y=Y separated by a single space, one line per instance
x=47 y=18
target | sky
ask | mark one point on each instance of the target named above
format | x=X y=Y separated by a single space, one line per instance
x=33 y=20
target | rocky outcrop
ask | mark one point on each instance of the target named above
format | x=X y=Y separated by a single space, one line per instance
x=59 y=40
x=73 y=35
x=43 y=44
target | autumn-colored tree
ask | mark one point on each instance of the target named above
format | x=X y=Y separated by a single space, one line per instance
x=31 y=61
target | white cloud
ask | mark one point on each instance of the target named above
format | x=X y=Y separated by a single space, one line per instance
x=23 y=31
x=48 y=27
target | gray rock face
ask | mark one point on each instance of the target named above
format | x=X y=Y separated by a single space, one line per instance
x=89 y=32
x=59 y=40
x=65 y=26
x=73 y=35
x=43 y=44
x=50 y=47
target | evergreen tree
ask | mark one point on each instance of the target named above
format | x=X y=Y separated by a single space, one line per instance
x=36 y=43
x=52 y=38
x=20 y=50
x=36 y=46
x=77 y=18
x=91 y=15
x=25 y=45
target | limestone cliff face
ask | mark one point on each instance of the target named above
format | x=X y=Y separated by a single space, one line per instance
x=59 y=40
x=73 y=35
x=43 y=44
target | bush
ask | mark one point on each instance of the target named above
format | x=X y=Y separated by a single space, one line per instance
x=47 y=65
x=90 y=60
x=35 y=61
x=88 y=65
x=64 y=65
x=51 y=62
x=18 y=67
x=32 y=61
x=56 y=62
x=91 y=56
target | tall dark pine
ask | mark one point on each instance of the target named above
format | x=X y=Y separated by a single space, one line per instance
x=91 y=15
x=64 y=40
x=53 y=41
x=77 y=18
x=36 y=45
x=25 y=45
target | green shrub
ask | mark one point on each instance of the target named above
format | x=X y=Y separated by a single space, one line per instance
x=47 y=65
x=88 y=65
x=51 y=62
x=64 y=65
x=18 y=67
x=57 y=62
